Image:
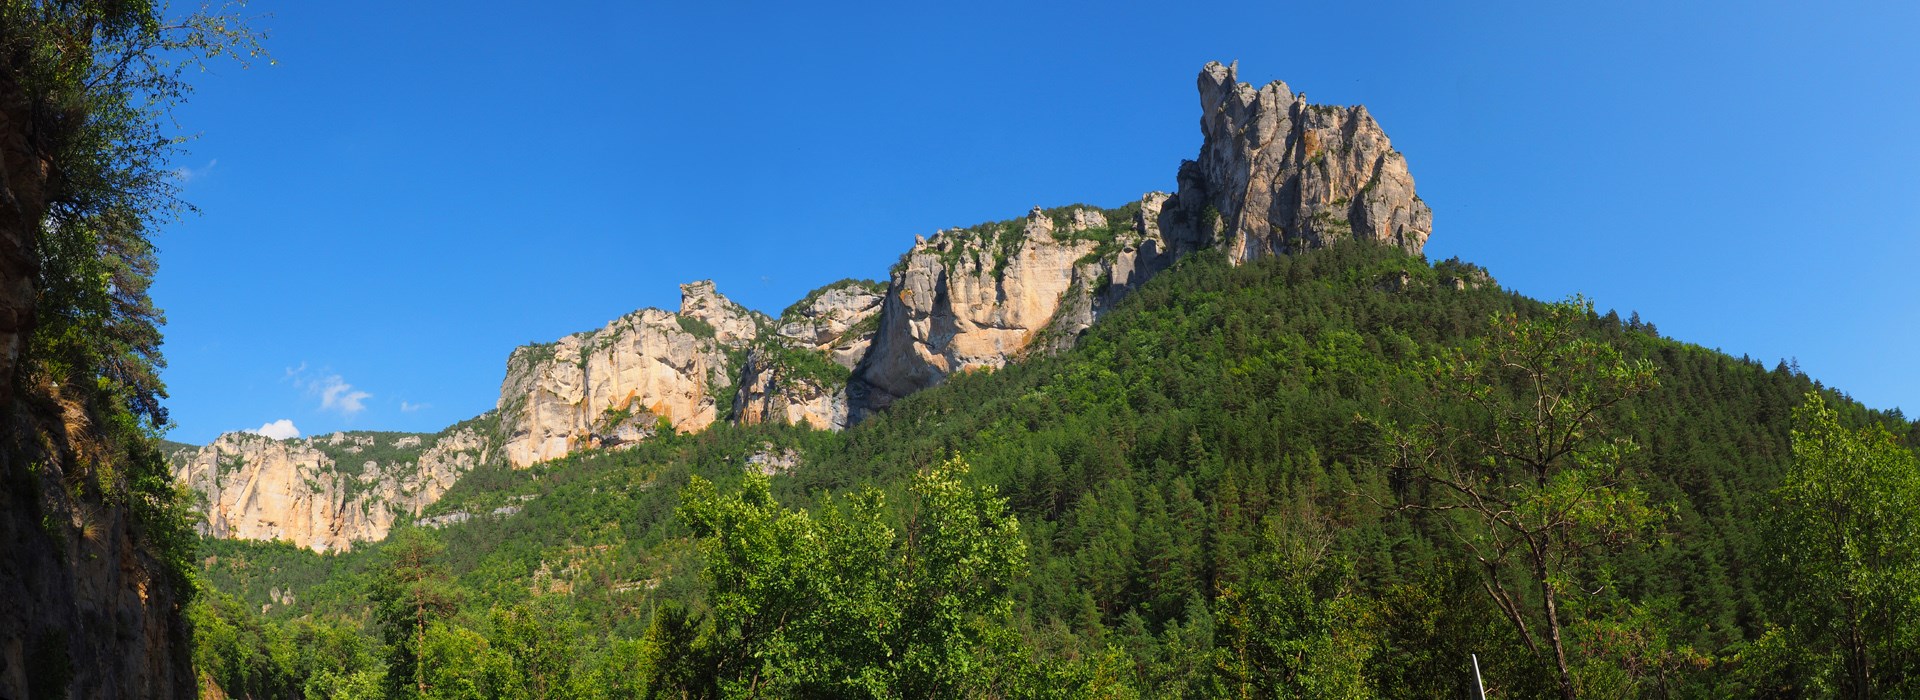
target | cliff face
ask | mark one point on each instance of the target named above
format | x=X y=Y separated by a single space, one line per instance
x=328 y=492
x=601 y=388
x=1274 y=174
x=969 y=299
x=798 y=375
x=86 y=608
x=1285 y=174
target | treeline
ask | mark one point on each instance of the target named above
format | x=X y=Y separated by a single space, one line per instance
x=1331 y=474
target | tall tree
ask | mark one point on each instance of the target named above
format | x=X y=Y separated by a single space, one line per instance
x=86 y=87
x=1847 y=528
x=411 y=592
x=1518 y=459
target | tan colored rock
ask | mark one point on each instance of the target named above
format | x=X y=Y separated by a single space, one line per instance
x=770 y=393
x=967 y=300
x=559 y=397
x=258 y=488
x=1285 y=175
x=734 y=325
x=835 y=323
x=1275 y=174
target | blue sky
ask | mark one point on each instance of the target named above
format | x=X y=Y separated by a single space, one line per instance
x=415 y=190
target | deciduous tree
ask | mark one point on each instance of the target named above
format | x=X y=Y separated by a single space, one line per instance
x=1521 y=463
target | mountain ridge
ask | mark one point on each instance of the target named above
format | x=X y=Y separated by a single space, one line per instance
x=1275 y=174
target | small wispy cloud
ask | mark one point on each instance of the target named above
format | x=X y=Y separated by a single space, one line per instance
x=337 y=395
x=406 y=407
x=279 y=430
x=186 y=174
x=334 y=392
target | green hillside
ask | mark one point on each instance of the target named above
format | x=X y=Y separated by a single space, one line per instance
x=1209 y=503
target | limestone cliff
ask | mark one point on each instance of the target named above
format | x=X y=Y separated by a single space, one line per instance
x=798 y=374
x=968 y=299
x=1285 y=174
x=606 y=387
x=1275 y=174
x=327 y=492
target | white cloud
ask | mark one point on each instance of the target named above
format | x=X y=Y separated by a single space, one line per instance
x=335 y=393
x=279 y=430
x=185 y=174
x=411 y=407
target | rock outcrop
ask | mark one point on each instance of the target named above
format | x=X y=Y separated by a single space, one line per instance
x=327 y=492
x=1284 y=174
x=91 y=587
x=733 y=325
x=86 y=610
x=798 y=375
x=613 y=385
x=1275 y=174
x=969 y=299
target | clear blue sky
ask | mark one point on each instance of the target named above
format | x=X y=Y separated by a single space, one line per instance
x=415 y=190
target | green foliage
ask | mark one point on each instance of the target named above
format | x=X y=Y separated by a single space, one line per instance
x=1202 y=500
x=410 y=595
x=1518 y=456
x=845 y=605
x=795 y=366
x=249 y=656
x=1847 y=529
x=698 y=328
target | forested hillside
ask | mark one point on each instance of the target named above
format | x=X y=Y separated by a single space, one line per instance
x=1243 y=482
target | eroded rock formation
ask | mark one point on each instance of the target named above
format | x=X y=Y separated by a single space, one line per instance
x=612 y=385
x=969 y=299
x=1285 y=174
x=1275 y=174
x=798 y=375
x=87 y=609
x=327 y=492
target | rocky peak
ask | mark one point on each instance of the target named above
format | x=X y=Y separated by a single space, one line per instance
x=612 y=386
x=733 y=325
x=1274 y=174
x=1284 y=174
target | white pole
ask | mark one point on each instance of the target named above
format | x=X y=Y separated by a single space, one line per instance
x=1479 y=688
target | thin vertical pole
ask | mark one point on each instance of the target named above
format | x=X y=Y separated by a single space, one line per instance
x=1479 y=691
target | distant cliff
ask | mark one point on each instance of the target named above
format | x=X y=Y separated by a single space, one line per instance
x=616 y=384
x=327 y=492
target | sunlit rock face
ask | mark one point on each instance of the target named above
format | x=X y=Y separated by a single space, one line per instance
x=328 y=492
x=834 y=325
x=1275 y=174
x=615 y=383
x=971 y=299
x=1283 y=174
